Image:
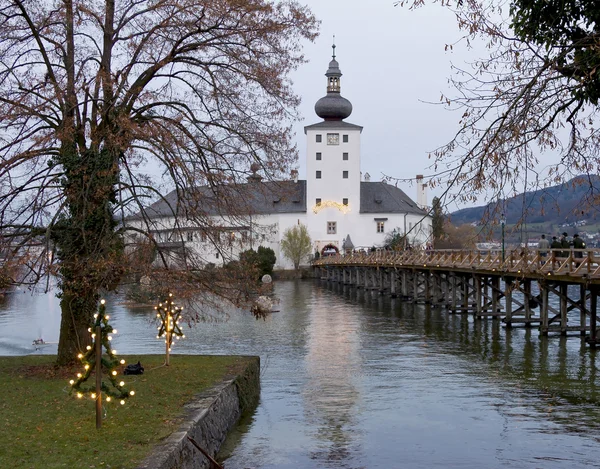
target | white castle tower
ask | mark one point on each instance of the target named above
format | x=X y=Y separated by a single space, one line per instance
x=332 y=164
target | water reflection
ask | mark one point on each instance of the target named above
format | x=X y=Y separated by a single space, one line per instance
x=352 y=379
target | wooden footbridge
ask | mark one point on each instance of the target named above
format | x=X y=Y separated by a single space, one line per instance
x=557 y=293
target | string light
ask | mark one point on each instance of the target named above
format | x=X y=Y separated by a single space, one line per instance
x=170 y=317
x=112 y=389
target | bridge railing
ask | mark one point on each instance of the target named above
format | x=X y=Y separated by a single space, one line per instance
x=577 y=262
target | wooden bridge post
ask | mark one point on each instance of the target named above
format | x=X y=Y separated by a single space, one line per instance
x=563 y=308
x=583 y=308
x=495 y=295
x=526 y=298
x=508 y=306
x=404 y=284
x=415 y=285
x=393 y=283
x=465 y=293
x=478 y=295
x=454 y=291
x=427 y=286
x=544 y=319
x=593 y=337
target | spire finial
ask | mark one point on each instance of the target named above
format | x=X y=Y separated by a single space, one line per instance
x=333 y=47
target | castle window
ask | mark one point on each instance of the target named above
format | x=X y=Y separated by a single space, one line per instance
x=345 y=201
x=190 y=236
x=380 y=226
x=345 y=174
x=319 y=156
x=318 y=175
x=345 y=138
x=345 y=156
x=317 y=202
x=331 y=227
x=319 y=138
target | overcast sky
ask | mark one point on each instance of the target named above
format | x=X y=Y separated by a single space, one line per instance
x=393 y=63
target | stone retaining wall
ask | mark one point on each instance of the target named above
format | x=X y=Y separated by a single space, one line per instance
x=208 y=420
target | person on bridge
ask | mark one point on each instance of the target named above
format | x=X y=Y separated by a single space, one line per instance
x=543 y=246
x=555 y=245
x=578 y=244
x=565 y=243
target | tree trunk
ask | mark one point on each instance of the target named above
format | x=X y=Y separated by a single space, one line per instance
x=76 y=318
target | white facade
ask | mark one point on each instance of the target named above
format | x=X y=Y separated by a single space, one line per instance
x=333 y=202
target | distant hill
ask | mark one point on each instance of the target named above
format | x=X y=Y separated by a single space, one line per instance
x=570 y=202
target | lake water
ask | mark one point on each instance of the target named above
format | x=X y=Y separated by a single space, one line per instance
x=355 y=380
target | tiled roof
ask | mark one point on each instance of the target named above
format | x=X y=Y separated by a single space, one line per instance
x=380 y=197
x=333 y=125
x=255 y=197
x=269 y=197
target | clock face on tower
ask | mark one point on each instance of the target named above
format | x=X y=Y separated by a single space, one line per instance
x=333 y=139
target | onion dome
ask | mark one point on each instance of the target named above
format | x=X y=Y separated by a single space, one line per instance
x=333 y=106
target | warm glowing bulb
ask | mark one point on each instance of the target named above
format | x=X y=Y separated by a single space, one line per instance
x=79 y=395
x=93 y=395
x=102 y=302
x=89 y=347
x=183 y=336
x=158 y=315
x=87 y=367
x=107 y=398
x=89 y=329
x=114 y=352
x=93 y=336
x=114 y=373
x=80 y=356
x=107 y=317
x=122 y=362
x=158 y=337
x=122 y=383
x=122 y=402
x=95 y=316
x=132 y=393
x=169 y=349
x=114 y=331
x=170 y=294
x=109 y=337
x=79 y=375
x=71 y=382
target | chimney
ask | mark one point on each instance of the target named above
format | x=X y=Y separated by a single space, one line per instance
x=294 y=174
x=421 y=192
x=367 y=177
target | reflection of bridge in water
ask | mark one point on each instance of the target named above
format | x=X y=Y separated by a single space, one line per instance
x=558 y=294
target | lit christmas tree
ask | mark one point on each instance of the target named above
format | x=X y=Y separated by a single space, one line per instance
x=169 y=315
x=107 y=363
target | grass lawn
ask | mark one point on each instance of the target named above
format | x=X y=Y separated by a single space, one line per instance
x=41 y=426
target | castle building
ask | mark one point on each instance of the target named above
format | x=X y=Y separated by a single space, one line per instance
x=342 y=209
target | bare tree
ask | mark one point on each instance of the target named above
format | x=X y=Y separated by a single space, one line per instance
x=535 y=94
x=96 y=95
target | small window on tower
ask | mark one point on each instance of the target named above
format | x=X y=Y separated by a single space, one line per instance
x=345 y=138
x=318 y=202
x=331 y=227
x=345 y=156
x=190 y=236
x=380 y=227
x=345 y=201
x=345 y=174
x=319 y=138
x=318 y=175
x=319 y=156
